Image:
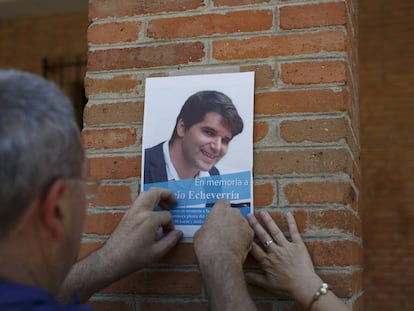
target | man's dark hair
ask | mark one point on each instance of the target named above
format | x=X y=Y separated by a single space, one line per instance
x=199 y=104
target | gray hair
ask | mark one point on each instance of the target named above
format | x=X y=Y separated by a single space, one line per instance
x=39 y=142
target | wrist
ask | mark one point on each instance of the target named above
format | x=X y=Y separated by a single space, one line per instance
x=110 y=261
x=225 y=284
x=304 y=292
x=322 y=290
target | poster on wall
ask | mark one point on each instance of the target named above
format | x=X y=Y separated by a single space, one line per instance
x=198 y=142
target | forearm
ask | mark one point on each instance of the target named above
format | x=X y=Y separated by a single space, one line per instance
x=225 y=285
x=88 y=276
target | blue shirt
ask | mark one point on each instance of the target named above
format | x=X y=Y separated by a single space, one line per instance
x=16 y=297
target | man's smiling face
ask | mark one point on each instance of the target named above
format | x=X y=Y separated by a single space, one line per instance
x=204 y=143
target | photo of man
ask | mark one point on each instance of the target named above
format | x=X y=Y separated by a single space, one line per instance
x=198 y=142
x=204 y=128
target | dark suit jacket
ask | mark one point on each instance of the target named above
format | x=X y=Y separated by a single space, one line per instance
x=154 y=166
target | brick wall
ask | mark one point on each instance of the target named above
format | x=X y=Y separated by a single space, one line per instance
x=306 y=133
x=25 y=42
x=387 y=79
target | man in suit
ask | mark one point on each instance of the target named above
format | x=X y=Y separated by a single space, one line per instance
x=206 y=124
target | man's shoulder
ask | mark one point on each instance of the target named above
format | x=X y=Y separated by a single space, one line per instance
x=16 y=297
x=155 y=148
x=154 y=164
x=155 y=155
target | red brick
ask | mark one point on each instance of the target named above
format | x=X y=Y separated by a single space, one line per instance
x=92 y=189
x=343 y=284
x=321 y=221
x=319 y=161
x=113 y=32
x=118 y=84
x=114 y=168
x=209 y=24
x=86 y=248
x=312 y=15
x=279 y=45
x=109 y=138
x=319 y=192
x=112 y=195
x=116 y=113
x=180 y=283
x=335 y=253
x=264 y=75
x=100 y=9
x=260 y=131
x=320 y=130
x=314 y=72
x=327 y=221
x=56 y=37
x=264 y=194
x=146 y=56
x=300 y=101
x=102 y=223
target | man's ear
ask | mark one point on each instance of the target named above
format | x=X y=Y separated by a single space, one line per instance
x=180 y=128
x=51 y=211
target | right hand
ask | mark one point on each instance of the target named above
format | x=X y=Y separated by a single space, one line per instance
x=225 y=233
x=134 y=243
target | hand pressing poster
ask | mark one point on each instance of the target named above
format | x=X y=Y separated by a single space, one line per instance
x=198 y=142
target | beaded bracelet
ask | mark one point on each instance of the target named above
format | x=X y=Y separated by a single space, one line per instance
x=323 y=290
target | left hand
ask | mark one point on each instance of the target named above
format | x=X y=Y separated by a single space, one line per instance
x=134 y=244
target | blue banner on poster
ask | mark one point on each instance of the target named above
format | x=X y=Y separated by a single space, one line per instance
x=195 y=196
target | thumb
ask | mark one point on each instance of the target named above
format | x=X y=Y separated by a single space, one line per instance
x=167 y=242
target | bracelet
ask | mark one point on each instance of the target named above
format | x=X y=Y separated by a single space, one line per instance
x=323 y=290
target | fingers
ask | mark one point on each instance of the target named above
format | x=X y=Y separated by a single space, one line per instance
x=163 y=219
x=220 y=205
x=167 y=199
x=167 y=242
x=293 y=229
x=257 y=252
x=259 y=230
x=148 y=200
x=220 y=209
x=274 y=230
x=256 y=279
